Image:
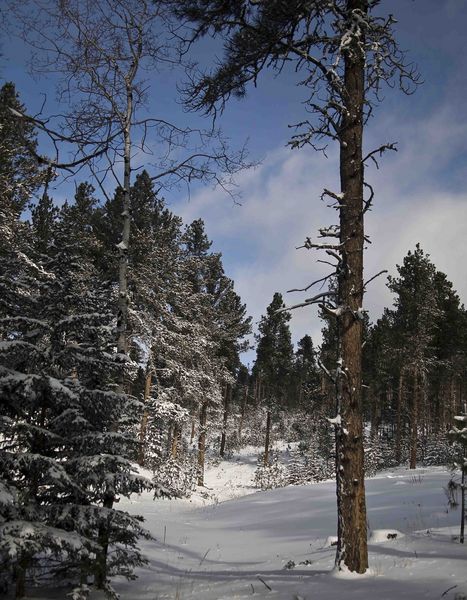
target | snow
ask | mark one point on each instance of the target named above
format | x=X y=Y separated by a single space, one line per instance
x=225 y=545
x=229 y=541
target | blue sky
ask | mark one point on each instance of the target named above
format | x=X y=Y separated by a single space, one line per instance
x=421 y=192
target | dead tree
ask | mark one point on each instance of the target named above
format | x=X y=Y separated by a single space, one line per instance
x=342 y=53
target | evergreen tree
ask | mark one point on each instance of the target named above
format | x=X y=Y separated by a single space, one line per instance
x=43 y=218
x=415 y=317
x=274 y=361
x=450 y=343
x=342 y=52
x=204 y=273
x=306 y=375
x=60 y=452
x=20 y=175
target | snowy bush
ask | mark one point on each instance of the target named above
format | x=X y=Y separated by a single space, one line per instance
x=308 y=466
x=439 y=451
x=269 y=477
x=379 y=455
x=175 y=477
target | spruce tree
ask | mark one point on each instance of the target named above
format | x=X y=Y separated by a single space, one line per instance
x=61 y=452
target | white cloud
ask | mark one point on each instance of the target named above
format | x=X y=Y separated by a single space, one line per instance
x=281 y=207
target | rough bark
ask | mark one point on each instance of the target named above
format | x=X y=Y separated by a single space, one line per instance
x=352 y=549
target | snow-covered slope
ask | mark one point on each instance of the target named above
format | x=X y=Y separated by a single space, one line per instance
x=240 y=548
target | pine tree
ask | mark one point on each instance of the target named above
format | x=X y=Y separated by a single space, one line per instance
x=43 y=219
x=415 y=318
x=342 y=52
x=20 y=175
x=204 y=272
x=274 y=361
x=306 y=375
x=449 y=341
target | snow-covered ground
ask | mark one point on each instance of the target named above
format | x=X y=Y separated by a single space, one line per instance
x=239 y=545
x=232 y=542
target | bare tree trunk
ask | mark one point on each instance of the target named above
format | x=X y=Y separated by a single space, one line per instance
x=452 y=398
x=425 y=415
x=352 y=534
x=414 y=421
x=123 y=304
x=202 y=441
x=227 y=399
x=400 y=396
x=242 y=415
x=375 y=413
x=267 y=440
x=144 y=420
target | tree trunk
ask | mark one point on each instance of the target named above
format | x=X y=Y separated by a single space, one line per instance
x=258 y=391
x=242 y=415
x=461 y=536
x=267 y=440
x=20 y=577
x=400 y=394
x=227 y=398
x=202 y=441
x=414 y=421
x=352 y=549
x=123 y=304
x=144 y=420
x=374 y=400
x=103 y=541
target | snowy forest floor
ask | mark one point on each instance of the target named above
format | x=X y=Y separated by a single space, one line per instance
x=231 y=542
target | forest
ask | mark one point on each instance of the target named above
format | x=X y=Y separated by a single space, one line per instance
x=124 y=382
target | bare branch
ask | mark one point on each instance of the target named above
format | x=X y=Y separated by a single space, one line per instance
x=374 y=277
x=381 y=150
x=305 y=289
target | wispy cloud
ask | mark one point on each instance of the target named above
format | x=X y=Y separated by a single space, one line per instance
x=415 y=202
